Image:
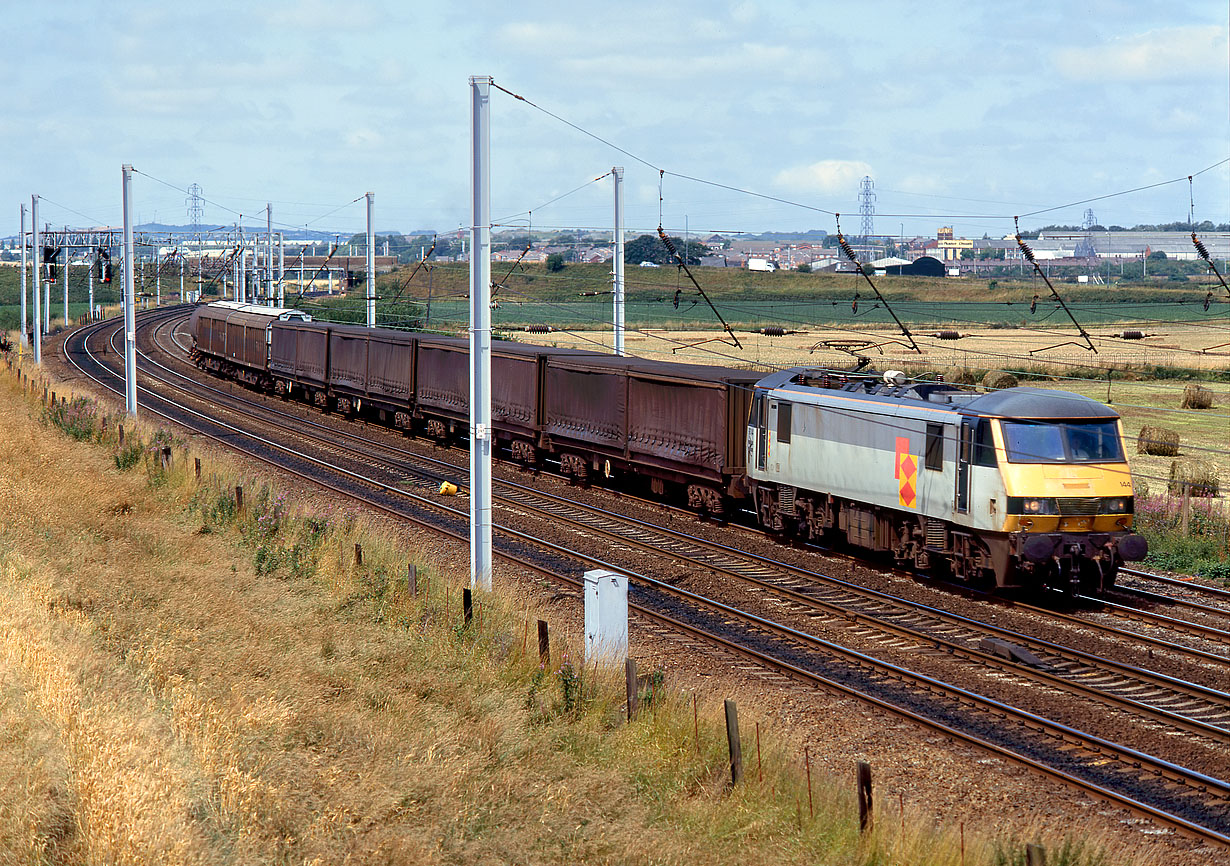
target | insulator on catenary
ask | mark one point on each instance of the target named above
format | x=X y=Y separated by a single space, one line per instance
x=1200 y=248
x=773 y=331
x=538 y=329
x=1029 y=254
x=1131 y=335
x=947 y=335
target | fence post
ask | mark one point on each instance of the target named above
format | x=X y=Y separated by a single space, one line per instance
x=1185 y=513
x=864 y=796
x=467 y=606
x=358 y=555
x=412 y=579
x=695 y=722
x=1035 y=855
x=811 y=809
x=239 y=497
x=630 y=684
x=198 y=468
x=760 y=773
x=733 y=742
x=544 y=644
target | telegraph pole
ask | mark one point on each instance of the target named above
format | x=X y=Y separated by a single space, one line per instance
x=66 y=277
x=36 y=250
x=130 y=310
x=480 y=332
x=618 y=173
x=371 y=264
x=24 y=339
x=281 y=270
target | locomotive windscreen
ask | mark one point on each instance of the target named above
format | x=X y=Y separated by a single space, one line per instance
x=1071 y=442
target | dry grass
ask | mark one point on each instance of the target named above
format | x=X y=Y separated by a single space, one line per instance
x=171 y=694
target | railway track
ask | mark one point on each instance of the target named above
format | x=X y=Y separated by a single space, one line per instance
x=1191 y=801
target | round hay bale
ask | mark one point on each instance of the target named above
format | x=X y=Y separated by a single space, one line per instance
x=1193 y=478
x=1197 y=397
x=963 y=377
x=996 y=380
x=1157 y=441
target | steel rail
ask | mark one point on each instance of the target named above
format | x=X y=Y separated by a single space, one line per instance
x=1219 y=635
x=1201 y=588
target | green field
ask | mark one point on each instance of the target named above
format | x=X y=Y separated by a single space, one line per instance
x=801 y=313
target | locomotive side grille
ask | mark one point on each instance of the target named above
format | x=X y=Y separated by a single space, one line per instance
x=785 y=500
x=936 y=536
x=1079 y=505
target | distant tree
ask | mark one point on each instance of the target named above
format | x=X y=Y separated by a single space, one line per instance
x=804 y=268
x=512 y=242
x=649 y=248
x=555 y=263
x=967 y=254
x=1157 y=256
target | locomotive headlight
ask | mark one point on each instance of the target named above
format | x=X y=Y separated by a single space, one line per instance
x=1117 y=505
x=1026 y=505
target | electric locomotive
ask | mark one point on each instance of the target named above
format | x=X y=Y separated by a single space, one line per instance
x=1024 y=486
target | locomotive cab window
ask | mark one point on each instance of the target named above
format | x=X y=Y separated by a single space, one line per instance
x=934 y=456
x=984 y=444
x=783 y=422
x=755 y=416
x=1065 y=442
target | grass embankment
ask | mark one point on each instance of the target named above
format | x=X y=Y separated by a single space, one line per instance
x=183 y=681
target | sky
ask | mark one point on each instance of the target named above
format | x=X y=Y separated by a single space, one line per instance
x=726 y=116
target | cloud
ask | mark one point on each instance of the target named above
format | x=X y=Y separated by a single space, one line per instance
x=1170 y=54
x=829 y=176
